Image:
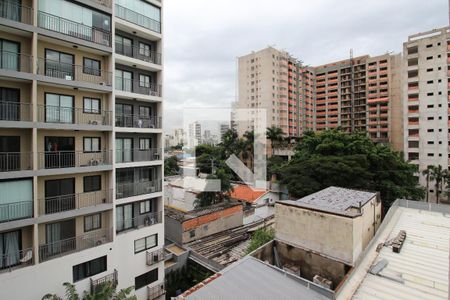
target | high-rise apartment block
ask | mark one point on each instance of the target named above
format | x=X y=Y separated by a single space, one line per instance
x=81 y=146
x=355 y=94
x=194 y=134
x=426 y=101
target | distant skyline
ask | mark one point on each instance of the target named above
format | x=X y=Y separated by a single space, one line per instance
x=203 y=39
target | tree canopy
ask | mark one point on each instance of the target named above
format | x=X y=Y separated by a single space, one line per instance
x=334 y=157
x=171 y=166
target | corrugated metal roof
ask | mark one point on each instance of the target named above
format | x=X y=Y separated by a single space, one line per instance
x=421 y=269
x=251 y=279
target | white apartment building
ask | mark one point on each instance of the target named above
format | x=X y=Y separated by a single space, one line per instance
x=425 y=101
x=81 y=142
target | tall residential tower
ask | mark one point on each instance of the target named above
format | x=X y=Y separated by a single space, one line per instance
x=80 y=146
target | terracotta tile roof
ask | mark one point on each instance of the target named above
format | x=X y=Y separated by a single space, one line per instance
x=245 y=193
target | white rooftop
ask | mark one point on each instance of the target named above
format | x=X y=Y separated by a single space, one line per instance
x=420 y=270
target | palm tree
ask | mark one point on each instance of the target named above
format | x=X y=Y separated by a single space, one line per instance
x=248 y=148
x=275 y=135
x=438 y=175
x=426 y=173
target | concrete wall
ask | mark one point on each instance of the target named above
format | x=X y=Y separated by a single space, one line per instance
x=218 y=225
x=339 y=237
x=173 y=230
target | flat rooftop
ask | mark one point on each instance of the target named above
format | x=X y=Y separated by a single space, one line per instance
x=334 y=199
x=184 y=216
x=251 y=278
x=420 y=270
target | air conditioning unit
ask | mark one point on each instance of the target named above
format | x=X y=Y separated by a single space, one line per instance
x=68 y=77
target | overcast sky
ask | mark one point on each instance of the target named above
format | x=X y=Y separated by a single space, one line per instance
x=203 y=38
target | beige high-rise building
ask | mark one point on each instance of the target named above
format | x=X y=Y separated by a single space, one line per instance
x=425 y=102
x=356 y=94
x=81 y=147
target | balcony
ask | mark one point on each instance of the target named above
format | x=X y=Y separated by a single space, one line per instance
x=377 y=100
x=74 y=244
x=16 y=211
x=140 y=221
x=137 y=53
x=137 y=121
x=70 y=72
x=73 y=159
x=15 y=111
x=137 y=155
x=98 y=284
x=15 y=12
x=16 y=161
x=18 y=62
x=155 y=257
x=124 y=190
x=16 y=260
x=51 y=205
x=138 y=87
x=137 y=19
x=156 y=291
x=105 y=3
x=74 y=29
x=69 y=115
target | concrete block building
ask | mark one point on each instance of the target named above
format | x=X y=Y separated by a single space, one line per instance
x=81 y=146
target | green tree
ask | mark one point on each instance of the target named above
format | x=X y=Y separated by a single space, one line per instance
x=275 y=135
x=209 y=198
x=106 y=291
x=171 y=166
x=334 y=157
x=259 y=238
x=439 y=176
x=426 y=173
x=247 y=148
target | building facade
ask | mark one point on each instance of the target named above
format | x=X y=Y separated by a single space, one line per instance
x=81 y=146
x=425 y=101
x=356 y=94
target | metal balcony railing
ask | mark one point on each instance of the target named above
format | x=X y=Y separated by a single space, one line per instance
x=16 y=61
x=139 y=87
x=56 y=69
x=136 y=155
x=143 y=220
x=16 y=211
x=97 y=284
x=74 y=244
x=51 y=205
x=156 y=291
x=71 y=115
x=15 y=260
x=15 y=161
x=136 y=121
x=74 y=29
x=15 y=111
x=124 y=190
x=72 y=159
x=137 y=18
x=16 y=12
x=155 y=257
x=138 y=53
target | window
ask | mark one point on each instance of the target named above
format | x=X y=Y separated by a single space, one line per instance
x=10 y=244
x=429 y=57
x=144 y=80
x=92 y=183
x=429 y=45
x=59 y=108
x=91 y=105
x=430 y=130
x=144 y=14
x=91 y=66
x=124 y=150
x=144 y=49
x=430 y=94
x=9 y=58
x=146 y=243
x=124 y=46
x=192 y=233
x=430 y=70
x=89 y=268
x=144 y=144
x=91 y=144
x=124 y=81
x=92 y=222
x=146 y=279
x=124 y=217
x=59 y=64
x=145 y=207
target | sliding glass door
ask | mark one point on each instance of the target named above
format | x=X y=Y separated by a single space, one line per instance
x=124 y=81
x=124 y=150
x=9 y=153
x=124 y=217
x=10 y=246
x=59 y=108
x=10 y=55
x=60 y=237
x=59 y=152
x=124 y=115
x=59 y=65
x=59 y=195
x=9 y=104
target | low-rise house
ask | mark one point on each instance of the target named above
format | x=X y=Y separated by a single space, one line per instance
x=183 y=227
x=336 y=222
